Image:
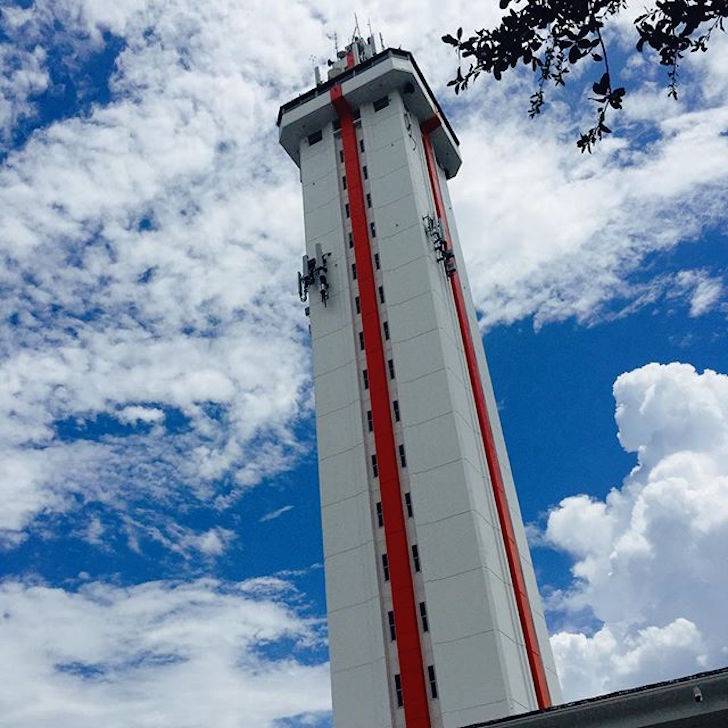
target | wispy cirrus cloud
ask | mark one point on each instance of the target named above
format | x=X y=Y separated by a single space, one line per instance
x=277 y=513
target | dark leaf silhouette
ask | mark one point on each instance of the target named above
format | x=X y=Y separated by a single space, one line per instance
x=549 y=36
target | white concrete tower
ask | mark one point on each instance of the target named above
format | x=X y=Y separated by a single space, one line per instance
x=434 y=614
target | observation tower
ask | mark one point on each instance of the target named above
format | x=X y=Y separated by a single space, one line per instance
x=434 y=615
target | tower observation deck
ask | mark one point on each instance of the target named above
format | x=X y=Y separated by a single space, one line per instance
x=433 y=609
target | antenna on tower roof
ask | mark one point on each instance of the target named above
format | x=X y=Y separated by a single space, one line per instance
x=356 y=32
x=381 y=41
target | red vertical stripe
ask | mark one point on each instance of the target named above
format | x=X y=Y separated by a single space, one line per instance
x=501 y=499
x=409 y=649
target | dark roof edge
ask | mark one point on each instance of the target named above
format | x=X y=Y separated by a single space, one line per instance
x=599 y=698
x=349 y=73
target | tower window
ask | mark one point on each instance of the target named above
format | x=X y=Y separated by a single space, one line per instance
x=369 y=200
x=356 y=114
x=382 y=103
x=376 y=260
x=353 y=271
x=361 y=144
x=337 y=124
x=392 y=629
x=416 y=557
x=385 y=567
x=351 y=239
x=390 y=365
x=346 y=208
x=433 y=682
x=370 y=421
x=361 y=340
x=380 y=515
x=385 y=326
x=423 y=617
x=402 y=457
x=398 y=690
x=316 y=137
x=357 y=304
x=381 y=294
x=373 y=229
x=408 y=504
x=365 y=172
x=395 y=407
x=341 y=155
x=375 y=470
x=343 y=181
x=365 y=376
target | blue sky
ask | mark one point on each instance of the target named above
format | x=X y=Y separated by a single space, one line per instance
x=161 y=547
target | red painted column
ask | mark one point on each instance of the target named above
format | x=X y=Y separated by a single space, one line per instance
x=409 y=648
x=496 y=477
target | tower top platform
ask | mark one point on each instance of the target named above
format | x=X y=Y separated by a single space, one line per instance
x=364 y=82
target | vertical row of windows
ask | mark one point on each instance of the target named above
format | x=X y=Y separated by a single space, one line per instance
x=433 y=682
x=380 y=104
x=392 y=628
x=398 y=690
x=423 y=617
x=416 y=557
x=430 y=677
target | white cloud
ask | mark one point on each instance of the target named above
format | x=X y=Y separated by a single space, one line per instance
x=22 y=76
x=157 y=654
x=552 y=234
x=276 y=513
x=151 y=245
x=649 y=559
x=706 y=291
x=133 y=414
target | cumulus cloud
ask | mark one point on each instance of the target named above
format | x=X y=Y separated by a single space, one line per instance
x=158 y=654
x=649 y=559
